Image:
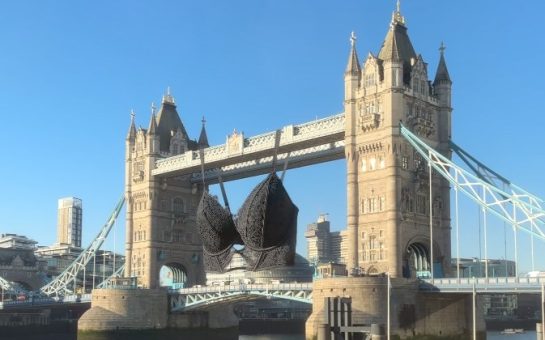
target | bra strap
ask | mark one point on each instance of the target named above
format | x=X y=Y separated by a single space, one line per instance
x=285 y=168
x=223 y=194
x=276 y=145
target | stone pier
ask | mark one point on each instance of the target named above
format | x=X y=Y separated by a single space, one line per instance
x=114 y=309
x=412 y=313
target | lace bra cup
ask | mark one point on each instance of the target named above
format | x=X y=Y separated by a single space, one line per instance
x=267 y=224
x=218 y=233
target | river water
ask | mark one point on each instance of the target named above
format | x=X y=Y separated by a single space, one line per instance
x=490 y=336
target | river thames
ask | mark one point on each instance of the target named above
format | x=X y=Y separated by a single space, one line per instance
x=529 y=335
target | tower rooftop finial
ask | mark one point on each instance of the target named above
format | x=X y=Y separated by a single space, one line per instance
x=168 y=98
x=442 y=48
x=203 y=120
x=132 y=114
x=397 y=18
x=353 y=39
x=153 y=108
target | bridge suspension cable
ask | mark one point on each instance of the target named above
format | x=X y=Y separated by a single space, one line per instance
x=59 y=286
x=516 y=206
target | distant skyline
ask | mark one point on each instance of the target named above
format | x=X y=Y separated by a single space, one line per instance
x=70 y=73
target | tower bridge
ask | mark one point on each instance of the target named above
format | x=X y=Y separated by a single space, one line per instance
x=395 y=136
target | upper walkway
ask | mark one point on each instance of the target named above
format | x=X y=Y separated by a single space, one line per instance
x=312 y=142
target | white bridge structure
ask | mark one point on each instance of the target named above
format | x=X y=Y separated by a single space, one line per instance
x=300 y=145
x=187 y=299
x=314 y=142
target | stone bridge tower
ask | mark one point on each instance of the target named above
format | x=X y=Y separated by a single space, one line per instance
x=161 y=233
x=387 y=181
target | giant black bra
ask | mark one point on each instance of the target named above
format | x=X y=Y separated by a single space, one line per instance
x=266 y=225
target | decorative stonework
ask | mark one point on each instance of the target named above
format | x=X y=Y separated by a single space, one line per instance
x=234 y=143
x=421 y=126
x=369 y=121
x=371 y=147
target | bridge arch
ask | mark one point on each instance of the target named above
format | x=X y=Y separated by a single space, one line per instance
x=173 y=275
x=416 y=259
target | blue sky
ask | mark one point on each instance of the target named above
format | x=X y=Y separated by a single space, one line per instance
x=70 y=72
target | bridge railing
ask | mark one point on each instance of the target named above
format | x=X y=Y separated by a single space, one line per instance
x=38 y=300
x=485 y=285
x=490 y=280
x=244 y=287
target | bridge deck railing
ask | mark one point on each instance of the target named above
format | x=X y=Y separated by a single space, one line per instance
x=244 y=287
x=485 y=285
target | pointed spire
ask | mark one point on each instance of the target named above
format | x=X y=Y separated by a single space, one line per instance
x=203 y=139
x=397 y=45
x=168 y=98
x=353 y=66
x=152 y=125
x=442 y=72
x=132 y=128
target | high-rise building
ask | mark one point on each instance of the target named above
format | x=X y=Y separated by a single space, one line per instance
x=324 y=246
x=318 y=241
x=69 y=221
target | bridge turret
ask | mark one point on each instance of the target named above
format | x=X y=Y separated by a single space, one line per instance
x=131 y=135
x=153 y=137
x=442 y=83
x=352 y=74
x=352 y=80
x=203 y=138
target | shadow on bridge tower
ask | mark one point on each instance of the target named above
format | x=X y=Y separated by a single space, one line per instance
x=387 y=182
x=161 y=233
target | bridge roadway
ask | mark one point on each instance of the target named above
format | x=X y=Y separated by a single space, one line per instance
x=185 y=299
x=492 y=285
x=313 y=142
x=199 y=297
x=38 y=302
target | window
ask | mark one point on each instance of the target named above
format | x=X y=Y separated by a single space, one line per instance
x=373 y=242
x=381 y=162
x=416 y=87
x=178 y=205
x=364 y=165
x=369 y=79
x=421 y=204
x=372 y=163
x=405 y=162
